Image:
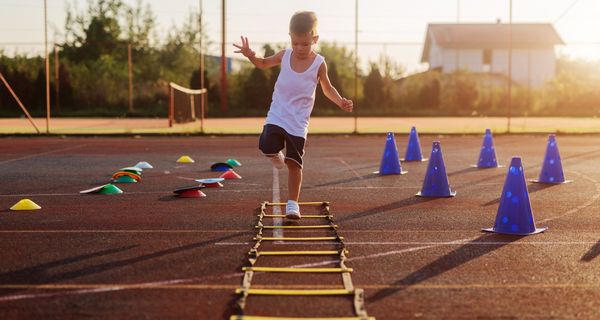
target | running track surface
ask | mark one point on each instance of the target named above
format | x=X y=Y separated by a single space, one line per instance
x=146 y=254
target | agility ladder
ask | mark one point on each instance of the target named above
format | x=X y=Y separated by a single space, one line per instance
x=348 y=288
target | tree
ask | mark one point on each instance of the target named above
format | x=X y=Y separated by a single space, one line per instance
x=344 y=64
x=429 y=95
x=321 y=101
x=258 y=88
x=460 y=93
x=93 y=34
x=374 y=88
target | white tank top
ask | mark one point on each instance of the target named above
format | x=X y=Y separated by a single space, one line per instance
x=294 y=96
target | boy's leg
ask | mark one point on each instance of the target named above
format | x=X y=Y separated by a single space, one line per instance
x=278 y=160
x=292 y=209
x=294 y=180
x=271 y=143
x=294 y=149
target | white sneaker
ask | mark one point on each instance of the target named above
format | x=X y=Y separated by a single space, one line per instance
x=278 y=160
x=292 y=210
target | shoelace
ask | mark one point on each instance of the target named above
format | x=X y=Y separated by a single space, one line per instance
x=291 y=207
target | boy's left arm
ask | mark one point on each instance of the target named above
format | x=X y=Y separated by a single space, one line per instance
x=330 y=92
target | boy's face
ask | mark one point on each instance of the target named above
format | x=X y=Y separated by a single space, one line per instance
x=302 y=43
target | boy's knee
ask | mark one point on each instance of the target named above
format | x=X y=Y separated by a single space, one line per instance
x=293 y=165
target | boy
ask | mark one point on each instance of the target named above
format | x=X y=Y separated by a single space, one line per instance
x=293 y=100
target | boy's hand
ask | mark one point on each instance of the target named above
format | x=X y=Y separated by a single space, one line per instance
x=347 y=105
x=245 y=48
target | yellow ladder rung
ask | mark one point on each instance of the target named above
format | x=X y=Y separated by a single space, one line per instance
x=325 y=226
x=298 y=238
x=309 y=203
x=303 y=216
x=295 y=318
x=297 y=253
x=305 y=270
x=296 y=292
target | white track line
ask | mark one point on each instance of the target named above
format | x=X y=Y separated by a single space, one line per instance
x=582 y=206
x=54 y=294
x=356 y=174
x=433 y=243
x=41 y=154
x=254 y=190
x=376 y=255
x=277 y=233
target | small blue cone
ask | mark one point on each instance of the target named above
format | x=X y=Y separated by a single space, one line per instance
x=514 y=212
x=220 y=166
x=487 y=156
x=436 y=183
x=413 y=149
x=552 y=171
x=390 y=163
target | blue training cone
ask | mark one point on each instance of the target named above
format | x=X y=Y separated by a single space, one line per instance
x=413 y=149
x=487 y=155
x=436 y=183
x=390 y=163
x=552 y=171
x=514 y=212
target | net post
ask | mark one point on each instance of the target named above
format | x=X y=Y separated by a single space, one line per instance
x=171 y=106
x=192 y=107
x=202 y=112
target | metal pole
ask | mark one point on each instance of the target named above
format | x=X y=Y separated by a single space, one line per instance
x=509 y=67
x=355 y=65
x=56 y=79
x=202 y=96
x=47 y=63
x=457 y=58
x=12 y=92
x=130 y=75
x=223 y=61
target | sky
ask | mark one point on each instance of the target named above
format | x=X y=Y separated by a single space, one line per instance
x=395 y=28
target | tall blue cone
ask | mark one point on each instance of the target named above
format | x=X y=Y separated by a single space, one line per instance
x=552 y=171
x=413 y=149
x=436 y=183
x=514 y=212
x=390 y=163
x=487 y=155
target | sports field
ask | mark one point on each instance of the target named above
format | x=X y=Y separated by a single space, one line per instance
x=318 y=125
x=147 y=254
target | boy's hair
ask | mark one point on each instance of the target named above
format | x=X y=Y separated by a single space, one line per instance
x=304 y=22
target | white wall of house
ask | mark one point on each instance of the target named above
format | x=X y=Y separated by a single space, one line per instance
x=435 y=56
x=467 y=59
x=531 y=67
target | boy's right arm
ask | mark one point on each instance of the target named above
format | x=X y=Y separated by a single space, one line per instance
x=261 y=63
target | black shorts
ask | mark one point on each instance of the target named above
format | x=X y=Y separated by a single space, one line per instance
x=274 y=138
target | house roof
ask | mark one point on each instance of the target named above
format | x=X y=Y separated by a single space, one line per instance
x=490 y=36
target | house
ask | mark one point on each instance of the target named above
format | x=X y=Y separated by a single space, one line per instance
x=483 y=48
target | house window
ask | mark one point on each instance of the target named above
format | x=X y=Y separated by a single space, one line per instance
x=487 y=56
x=487 y=60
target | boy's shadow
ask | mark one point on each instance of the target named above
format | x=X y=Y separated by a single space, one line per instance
x=593 y=253
x=387 y=207
x=348 y=180
x=169 y=198
x=466 y=170
x=532 y=187
x=467 y=252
